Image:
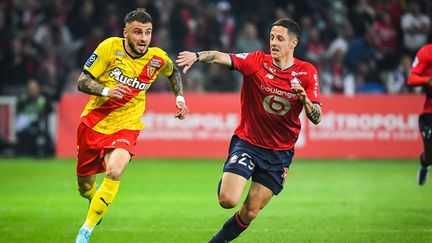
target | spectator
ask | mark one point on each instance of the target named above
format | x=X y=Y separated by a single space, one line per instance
x=362 y=17
x=226 y=24
x=341 y=42
x=366 y=80
x=31 y=128
x=415 y=27
x=248 y=40
x=17 y=67
x=315 y=48
x=29 y=28
x=332 y=74
x=360 y=50
x=395 y=81
x=386 y=41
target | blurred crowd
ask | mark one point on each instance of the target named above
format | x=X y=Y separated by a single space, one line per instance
x=359 y=46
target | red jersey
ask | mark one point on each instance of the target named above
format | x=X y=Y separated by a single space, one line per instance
x=421 y=72
x=269 y=109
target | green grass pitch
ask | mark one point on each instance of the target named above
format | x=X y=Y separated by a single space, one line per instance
x=175 y=201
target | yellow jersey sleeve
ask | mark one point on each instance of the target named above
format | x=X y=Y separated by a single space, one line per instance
x=100 y=59
x=168 y=66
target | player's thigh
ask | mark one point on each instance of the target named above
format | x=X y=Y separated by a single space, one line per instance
x=232 y=185
x=117 y=160
x=119 y=151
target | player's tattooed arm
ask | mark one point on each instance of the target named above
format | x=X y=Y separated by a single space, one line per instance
x=177 y=88
x=87 y=85
x=175 y=82
x=313 y=112
x=214 y=57
x=206 y=56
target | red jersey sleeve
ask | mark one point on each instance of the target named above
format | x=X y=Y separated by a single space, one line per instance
x=311 y=84
x=247 y=63
x=420 y=63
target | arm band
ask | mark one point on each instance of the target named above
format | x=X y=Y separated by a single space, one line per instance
x=105 y=91
x=180 y=98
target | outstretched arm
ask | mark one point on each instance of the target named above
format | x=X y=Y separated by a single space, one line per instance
x=87 y=85
x=186 y=58
x=177 y=88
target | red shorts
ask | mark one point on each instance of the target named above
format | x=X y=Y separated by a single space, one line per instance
x=93 y=145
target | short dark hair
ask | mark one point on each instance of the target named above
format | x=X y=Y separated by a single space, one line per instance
x=139 y=14
x=292 y=26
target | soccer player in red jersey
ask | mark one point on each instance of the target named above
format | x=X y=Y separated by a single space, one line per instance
x=421 y=75
x=276 y=88
x=117 y=76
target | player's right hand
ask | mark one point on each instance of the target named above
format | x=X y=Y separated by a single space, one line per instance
x=119 y=91
x=186 y=59
x=182 y=110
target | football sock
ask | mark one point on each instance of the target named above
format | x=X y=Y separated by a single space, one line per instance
x=90 y=193
x=230 y=230
x=423 y=161
x=102 y=199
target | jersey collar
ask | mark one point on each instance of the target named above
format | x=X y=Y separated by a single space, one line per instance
x=124 y=47
x=276 y=66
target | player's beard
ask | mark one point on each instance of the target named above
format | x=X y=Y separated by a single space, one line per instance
x=132 y=46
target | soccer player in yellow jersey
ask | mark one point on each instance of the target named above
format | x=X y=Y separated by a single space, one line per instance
x=117 y=76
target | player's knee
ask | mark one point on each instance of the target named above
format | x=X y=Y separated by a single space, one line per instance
x=84 y=187
x=114 y=173
x=227 y=201
x=250 y=214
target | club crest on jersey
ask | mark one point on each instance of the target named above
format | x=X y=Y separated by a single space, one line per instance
x=91 y=60
x=118 y=76
x=155 y=63
x=150 y=70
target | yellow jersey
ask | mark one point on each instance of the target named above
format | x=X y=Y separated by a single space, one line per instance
x=110 y=65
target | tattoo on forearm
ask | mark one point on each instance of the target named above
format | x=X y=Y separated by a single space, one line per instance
x=208 y=57
x=87 y=85
x=314 y=115
x=176 y=83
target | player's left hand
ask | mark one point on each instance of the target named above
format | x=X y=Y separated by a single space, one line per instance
x=182 y=110
x=298 y=89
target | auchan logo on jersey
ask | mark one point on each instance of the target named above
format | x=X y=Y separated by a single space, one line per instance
x=117 y=74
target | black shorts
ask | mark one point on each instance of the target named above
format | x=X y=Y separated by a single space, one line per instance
x=267 y=167
x=425 y=125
